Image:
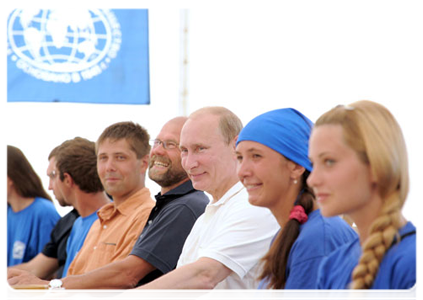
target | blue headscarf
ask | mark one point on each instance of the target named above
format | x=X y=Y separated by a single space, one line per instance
x=286 y=131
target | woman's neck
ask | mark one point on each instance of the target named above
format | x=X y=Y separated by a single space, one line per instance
x=18 y=203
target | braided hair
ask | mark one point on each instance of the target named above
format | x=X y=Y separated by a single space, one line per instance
x=373 y=133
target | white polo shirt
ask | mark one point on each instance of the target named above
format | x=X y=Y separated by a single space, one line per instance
x=235 y=233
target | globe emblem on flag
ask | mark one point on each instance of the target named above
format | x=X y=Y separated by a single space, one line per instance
x=63 y=45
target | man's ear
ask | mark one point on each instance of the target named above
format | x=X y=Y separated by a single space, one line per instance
x=68 y=180
x=233 y=142
x=144 y=163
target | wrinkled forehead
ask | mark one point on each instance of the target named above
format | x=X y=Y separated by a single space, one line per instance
x=201 y=129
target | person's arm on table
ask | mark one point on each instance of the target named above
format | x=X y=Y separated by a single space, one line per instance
x=41 y=266
x=205 y=273
x=123 y=274
x=23 y=277
x=109 y=280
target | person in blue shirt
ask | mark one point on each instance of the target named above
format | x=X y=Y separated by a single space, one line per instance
x=77 y=180
x=74 y=180
x=31 y=214
x=360 y=169
x=273 y=164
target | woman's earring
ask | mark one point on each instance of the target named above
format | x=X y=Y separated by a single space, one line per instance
x=295 y=181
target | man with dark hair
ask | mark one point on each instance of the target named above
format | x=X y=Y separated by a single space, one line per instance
x=122 y=161
x=78 y=182
x=73 y=178
x=158 y=248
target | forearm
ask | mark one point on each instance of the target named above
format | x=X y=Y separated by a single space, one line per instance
x=203 y=274
x=123 y=274
x=97 y=279
x=41 y=266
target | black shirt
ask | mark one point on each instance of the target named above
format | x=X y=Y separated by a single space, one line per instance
x=56 y=247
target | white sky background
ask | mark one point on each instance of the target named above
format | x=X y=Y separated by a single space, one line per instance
x=252 y=57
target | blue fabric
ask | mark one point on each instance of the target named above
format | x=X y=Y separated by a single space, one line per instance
x=396 y=271
x=318 y=237
x=56 y=247
x=80 y=229
x=83 y=56
x=286 y=131
x=29 y=230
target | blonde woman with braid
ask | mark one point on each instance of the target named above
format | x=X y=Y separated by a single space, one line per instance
x=273 y=165
x=360 y=169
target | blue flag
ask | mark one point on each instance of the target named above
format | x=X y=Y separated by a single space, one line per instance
x=78 y=55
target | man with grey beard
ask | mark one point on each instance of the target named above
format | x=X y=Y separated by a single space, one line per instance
x=178 y=205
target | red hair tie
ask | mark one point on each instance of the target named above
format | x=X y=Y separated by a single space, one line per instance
x=298 y=213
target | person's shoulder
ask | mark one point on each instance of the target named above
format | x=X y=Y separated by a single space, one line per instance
x=193 y=198
x=196 y=201
x=398 y=266
x=320 y=236
x=336 y=225
x=404 y=251
x=45 y=204
x=200 y=195
x=70 y=216
x=240 y=203
x=78 y=222
x=68 y=219
x=317 y=224
x=348 y=253
x=43 y=201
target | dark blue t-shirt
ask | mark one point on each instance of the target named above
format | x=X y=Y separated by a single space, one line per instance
x=167 y=228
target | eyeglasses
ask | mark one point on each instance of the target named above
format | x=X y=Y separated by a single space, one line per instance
x=168 y=145
x=52 y=174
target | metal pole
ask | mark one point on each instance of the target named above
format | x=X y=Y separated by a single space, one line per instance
x=183 y=98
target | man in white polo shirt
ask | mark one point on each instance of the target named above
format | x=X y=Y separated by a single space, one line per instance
x=227 y=242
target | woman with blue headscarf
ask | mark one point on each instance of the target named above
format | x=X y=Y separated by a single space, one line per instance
x=273 y=165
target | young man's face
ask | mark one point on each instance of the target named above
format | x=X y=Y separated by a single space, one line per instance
x=119 y=169
x=55 y=183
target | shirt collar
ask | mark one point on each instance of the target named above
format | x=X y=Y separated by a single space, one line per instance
x=125 y=208
x=180 y=190
x=233 y=191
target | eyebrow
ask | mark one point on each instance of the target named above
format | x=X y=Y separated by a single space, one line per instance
x=320 y=155
x=252 y=149
x=113 y=153
x=194 y=146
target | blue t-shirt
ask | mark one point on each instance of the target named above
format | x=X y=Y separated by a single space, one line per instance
x=318 y=237
x=396 y=271
x=29 y=230
x=76 y=239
